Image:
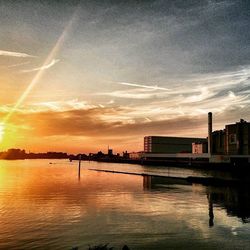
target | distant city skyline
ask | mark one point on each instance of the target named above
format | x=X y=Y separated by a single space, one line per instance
x=77 y=76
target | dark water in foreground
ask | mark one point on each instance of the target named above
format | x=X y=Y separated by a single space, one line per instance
x=45 y=206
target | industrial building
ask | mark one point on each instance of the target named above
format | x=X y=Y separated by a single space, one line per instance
x=230 y=145
x=233 y=140
x=170 y=145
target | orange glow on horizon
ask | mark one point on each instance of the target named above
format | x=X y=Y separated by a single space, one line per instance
x=8 y=136
x=4 y=138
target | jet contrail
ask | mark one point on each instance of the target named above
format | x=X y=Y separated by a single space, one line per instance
x=14 y=54
x=39 y=73
x=52 y=63
x=155 y=87
x=18 y=64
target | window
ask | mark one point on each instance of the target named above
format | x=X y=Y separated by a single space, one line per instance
x=232 y=139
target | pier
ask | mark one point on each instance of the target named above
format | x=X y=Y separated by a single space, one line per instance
x=207 y=181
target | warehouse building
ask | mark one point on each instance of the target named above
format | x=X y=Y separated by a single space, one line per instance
x=230 y=145
x=170 y=145
x=233 y=140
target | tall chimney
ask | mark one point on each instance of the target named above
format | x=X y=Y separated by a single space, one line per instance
x=210 y=130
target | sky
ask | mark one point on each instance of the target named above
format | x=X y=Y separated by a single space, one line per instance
x=82 y=76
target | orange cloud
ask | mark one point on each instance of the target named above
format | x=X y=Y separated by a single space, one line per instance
x=87 y=130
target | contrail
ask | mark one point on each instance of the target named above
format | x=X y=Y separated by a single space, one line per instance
x=155 y=87
x=18 y=64
x=14 y=54
x=52 y=63
x=48 y=60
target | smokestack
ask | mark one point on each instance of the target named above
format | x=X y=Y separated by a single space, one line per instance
x=210 y=130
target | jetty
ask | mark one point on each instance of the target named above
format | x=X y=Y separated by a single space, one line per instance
x=207 y=181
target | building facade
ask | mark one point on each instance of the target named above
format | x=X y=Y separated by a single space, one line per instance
x=199 y=148
x=170 y=145
x=233 y=140
x=219 y=142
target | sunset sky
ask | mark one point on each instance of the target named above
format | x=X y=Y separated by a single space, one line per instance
x=77 y=76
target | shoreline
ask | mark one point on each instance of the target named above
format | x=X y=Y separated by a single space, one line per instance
x=181 y=163
x=202 y=164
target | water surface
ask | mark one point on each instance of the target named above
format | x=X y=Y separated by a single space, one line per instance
x=46 y=206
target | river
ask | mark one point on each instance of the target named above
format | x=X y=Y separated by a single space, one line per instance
x=43 y=205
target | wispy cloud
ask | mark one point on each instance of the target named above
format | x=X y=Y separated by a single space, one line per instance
x=47 y=66
x=221 y=93
x=194 y=88
x=50 y=106
x=154 y=87
x=14 y=54
x=135 y=93
x=18 y=64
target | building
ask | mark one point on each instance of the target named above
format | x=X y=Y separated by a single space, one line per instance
x=170 y=145
x=233 y=140
x=228 y=146
x=199 y=148
x=135 y=155
x=110 y=152
x=219 y=140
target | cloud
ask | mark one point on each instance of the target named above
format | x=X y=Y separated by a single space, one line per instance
x=138 y=93
x=224 y=92
x=76 y=120
x=47 y=66
x=154 y=87
x=49 y=106
x=92 y=123
x=18 y=64
x=61 y=106
x=14 y=54
x=197 y=94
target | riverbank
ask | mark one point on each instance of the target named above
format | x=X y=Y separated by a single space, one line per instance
x=237 y=164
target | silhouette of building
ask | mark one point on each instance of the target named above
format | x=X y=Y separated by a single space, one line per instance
x=218 y=145
x=135 y=155
x=228 y=146
x=110 y=152
x=233 y=140
x=125 y=155
x=170 y=145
